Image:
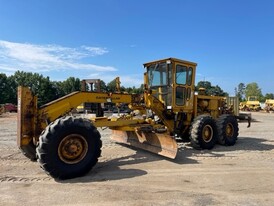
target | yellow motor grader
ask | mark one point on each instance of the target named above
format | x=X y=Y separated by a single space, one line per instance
x=68 y=146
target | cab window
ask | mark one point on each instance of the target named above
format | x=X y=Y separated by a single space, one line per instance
x=157 y=74
x=183 y=75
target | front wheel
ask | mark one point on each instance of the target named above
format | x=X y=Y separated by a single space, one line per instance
x=203 y=132
x=69 y=147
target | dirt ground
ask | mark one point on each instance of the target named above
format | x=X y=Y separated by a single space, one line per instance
x=239 y=175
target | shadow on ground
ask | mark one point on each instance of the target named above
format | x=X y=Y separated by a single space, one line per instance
x=113 y=169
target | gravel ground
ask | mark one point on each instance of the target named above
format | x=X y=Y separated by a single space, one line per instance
x=239 y=175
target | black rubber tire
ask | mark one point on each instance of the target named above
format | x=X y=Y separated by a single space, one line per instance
x=53 y=159
x=201 y=126
x=228 y=129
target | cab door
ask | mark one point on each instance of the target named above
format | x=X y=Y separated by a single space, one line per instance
x=184 y=86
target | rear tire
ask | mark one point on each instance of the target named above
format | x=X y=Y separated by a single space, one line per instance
x=228 y=130
x=69 y=147
x=203 y=132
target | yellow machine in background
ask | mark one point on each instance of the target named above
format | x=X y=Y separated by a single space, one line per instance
x=252 y=104
x=269 y=105
x=68 y=146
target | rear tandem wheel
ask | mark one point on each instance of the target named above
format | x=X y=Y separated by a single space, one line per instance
x=69 y=147
x=228 y=129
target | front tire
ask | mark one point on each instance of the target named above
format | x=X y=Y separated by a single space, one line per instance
x=203 y=132
x=69 y=147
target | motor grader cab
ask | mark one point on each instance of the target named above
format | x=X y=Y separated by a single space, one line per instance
x=68 y=146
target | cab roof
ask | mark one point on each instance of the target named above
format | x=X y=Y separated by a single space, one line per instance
x=171 y=59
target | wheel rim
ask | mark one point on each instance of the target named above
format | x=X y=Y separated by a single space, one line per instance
x=229 y=130
x=72 y=149
x=207 y=133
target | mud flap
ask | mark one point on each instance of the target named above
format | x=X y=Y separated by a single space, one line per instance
x=158 y=143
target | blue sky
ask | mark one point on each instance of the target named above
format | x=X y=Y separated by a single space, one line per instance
x=232 y=41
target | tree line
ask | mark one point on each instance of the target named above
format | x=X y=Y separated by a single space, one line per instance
x=48 y=90
x=243 y=91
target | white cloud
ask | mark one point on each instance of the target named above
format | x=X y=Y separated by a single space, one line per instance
x=94 y=51
x=41 y=58
x=60 y=62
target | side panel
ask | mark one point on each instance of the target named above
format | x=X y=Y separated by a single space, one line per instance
x=210 y=105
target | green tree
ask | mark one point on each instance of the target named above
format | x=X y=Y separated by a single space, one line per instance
x=216 y=91
x=252 y=89
x=47 y=91
x=40 y=86
x=135 y=90
x=103 y=86
x=71 y=84
x=8 y=89
x=3 y=88
x=57 y=85
x=141 y=89
x=269 y=96
x=111 y=86
x=203 y=84
x=209 y=89
x=12 y=91
x=240 y=91
x=129 y=90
